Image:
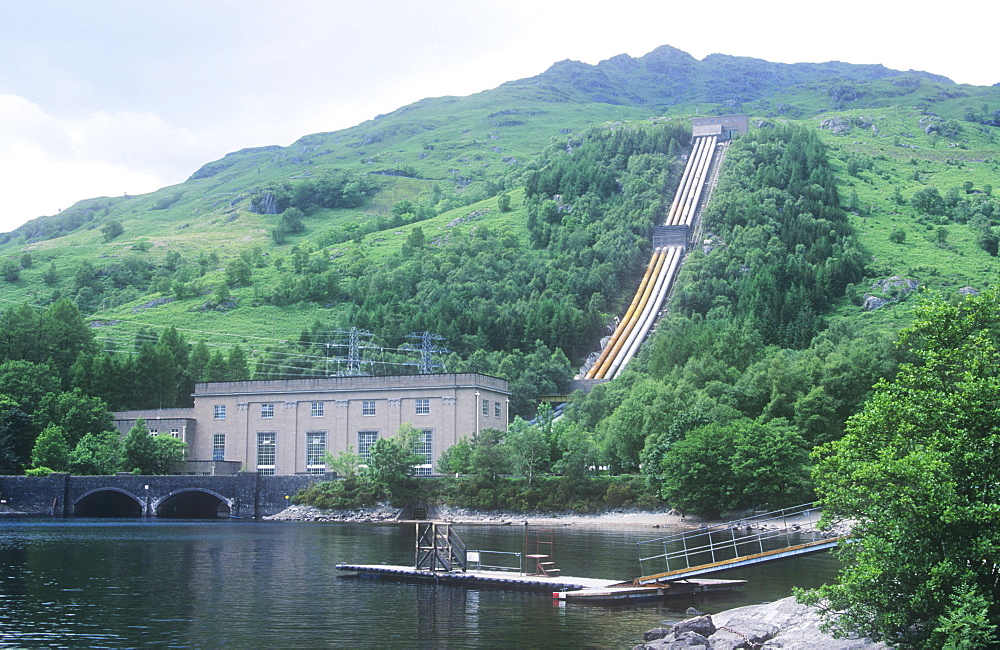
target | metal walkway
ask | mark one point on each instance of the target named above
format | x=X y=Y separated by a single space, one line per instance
x=732 y=545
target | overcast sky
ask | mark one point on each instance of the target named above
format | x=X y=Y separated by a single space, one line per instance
x=104 y=97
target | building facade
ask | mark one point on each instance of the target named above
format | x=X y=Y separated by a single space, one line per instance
x=723 y=126
x=286 y=426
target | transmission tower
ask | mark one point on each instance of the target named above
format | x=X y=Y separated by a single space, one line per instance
x=354 y=346
x=427 y=348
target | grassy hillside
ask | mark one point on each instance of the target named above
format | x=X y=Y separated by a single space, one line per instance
x=451 y=158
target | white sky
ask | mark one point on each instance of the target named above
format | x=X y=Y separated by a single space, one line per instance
x=103 y=97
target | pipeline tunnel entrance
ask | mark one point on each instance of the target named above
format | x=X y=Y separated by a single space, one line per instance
x=107 y=503
x=193 y=504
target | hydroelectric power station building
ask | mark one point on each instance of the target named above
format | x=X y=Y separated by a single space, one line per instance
x=285 y=426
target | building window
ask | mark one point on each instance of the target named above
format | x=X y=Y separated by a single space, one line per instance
x=154 y=432
x=315 y=450
x=423 y=448
x=219 y=446
x=365 y=441
x=220 y=411
x=316 y=409
x=175 y=433
x=368 y=407
x=267 y=410
x=496 y=410
x=266 y=452
x=423 y=406
x=486 y=407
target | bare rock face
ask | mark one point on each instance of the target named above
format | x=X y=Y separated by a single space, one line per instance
x=839 y=125
x=785 y=623
x=889 y=290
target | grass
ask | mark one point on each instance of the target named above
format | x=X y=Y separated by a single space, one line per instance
x=459 y=145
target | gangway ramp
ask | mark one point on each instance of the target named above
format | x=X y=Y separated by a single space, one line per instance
x=732 y=545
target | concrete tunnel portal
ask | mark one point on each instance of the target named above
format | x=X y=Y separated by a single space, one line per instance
x=107 y=502
x=193 y=504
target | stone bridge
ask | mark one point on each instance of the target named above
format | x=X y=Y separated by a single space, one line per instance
x=244 y=495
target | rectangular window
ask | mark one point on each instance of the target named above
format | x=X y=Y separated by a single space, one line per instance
x=316 y=409
x=365 y=441
x=220 y=411
x=496 y=410
x=175 y=433
x=368 y=407
x=266 y=452
x=486 y=407
x=153 y=432
x=315 y=449
x=423 y=406
x=219 y=446
x=422 y=447
x=267 y=410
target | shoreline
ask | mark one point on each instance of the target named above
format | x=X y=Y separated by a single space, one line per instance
x=386 y=514
x=619 y=518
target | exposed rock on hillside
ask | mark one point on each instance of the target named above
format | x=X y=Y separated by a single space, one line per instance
x=892 y=289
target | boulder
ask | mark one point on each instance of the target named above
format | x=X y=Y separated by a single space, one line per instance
x=702 y=625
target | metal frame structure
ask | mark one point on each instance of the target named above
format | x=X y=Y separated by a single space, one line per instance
x=439 y=548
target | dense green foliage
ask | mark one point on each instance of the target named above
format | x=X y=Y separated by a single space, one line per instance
x=743 y=377
x=918 y=474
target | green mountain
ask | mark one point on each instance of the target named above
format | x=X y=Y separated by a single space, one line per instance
x=431 y=218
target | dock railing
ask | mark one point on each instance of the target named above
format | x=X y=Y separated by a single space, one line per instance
x=480 y=560
x=726 y=541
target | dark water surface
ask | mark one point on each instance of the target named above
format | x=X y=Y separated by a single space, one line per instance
x=116 y=583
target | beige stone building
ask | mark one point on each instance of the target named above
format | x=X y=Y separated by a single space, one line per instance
x=285 y=426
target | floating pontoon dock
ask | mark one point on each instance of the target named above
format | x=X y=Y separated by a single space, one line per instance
x=561 y=587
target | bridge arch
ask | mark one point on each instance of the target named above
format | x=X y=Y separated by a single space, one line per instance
x=193 y=503
x=108 y=502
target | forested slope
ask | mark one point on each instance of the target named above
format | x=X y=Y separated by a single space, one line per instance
x=514 y=223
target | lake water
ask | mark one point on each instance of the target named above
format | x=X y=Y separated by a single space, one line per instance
x=117 y=583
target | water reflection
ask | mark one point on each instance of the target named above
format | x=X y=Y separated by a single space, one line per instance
x=119 y=583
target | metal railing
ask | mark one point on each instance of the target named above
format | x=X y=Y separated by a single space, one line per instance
x=727 y=541
x=477 y=561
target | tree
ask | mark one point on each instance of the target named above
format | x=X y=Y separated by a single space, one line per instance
x=10 y=270
x=97 y=454
x=897 y=236
x=489 y=458
x=391 y=462
x=146 y=454
x=112 y=229
x=929 y=200
x=16 y=437
x=919 y=473
x=527 y=449
x=51 y=449
x=238 y=273
x=50 y=276
x=456 y=459
x=75 y=413
x=345 y=464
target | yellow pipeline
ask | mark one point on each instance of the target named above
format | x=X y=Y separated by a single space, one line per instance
x=624 y=320
x=631 y=322
x=667 y=274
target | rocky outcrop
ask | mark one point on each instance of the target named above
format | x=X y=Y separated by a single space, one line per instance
x=894 y=289
x=785 y=623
